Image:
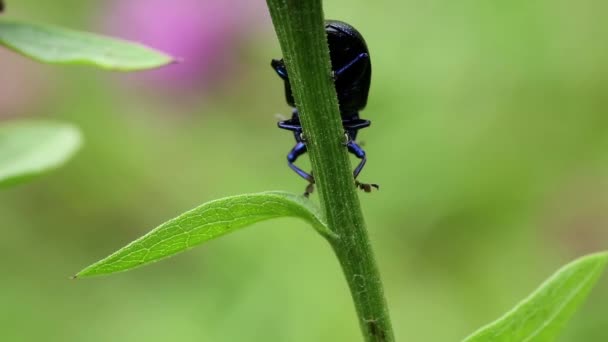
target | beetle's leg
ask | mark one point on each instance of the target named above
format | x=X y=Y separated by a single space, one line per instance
x=355 y=124
x=359 y=153
x=289 y=125
x=279 y=67
x=357 y=60
x=293 y=155
x=292 y=124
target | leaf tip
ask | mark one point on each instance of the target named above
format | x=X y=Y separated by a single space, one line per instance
x=84 y=273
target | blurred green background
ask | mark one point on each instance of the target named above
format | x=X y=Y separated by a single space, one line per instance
x=489 y=139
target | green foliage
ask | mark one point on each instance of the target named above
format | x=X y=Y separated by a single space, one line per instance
x=542 y=315
x=30 y=148
x=207 y=222
x=465 y=143
x=56 y=45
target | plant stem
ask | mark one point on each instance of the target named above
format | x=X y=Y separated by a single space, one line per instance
x=300 y=28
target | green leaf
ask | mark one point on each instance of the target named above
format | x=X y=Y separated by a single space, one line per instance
x=30 y=148
x=57 y=45
x=542 y=315
x=209 y=221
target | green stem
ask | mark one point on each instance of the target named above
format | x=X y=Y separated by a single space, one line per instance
x=300 y=29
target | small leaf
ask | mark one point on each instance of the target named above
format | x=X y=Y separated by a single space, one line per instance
x=51 y=44
x=30 y=148
x=542 y=315
x=209 y=221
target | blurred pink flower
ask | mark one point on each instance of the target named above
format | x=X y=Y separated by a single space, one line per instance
x=203 y=34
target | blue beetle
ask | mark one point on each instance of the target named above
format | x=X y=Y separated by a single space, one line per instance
x=351 y=72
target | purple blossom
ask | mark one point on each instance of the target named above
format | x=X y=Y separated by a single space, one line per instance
x=203 y=34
